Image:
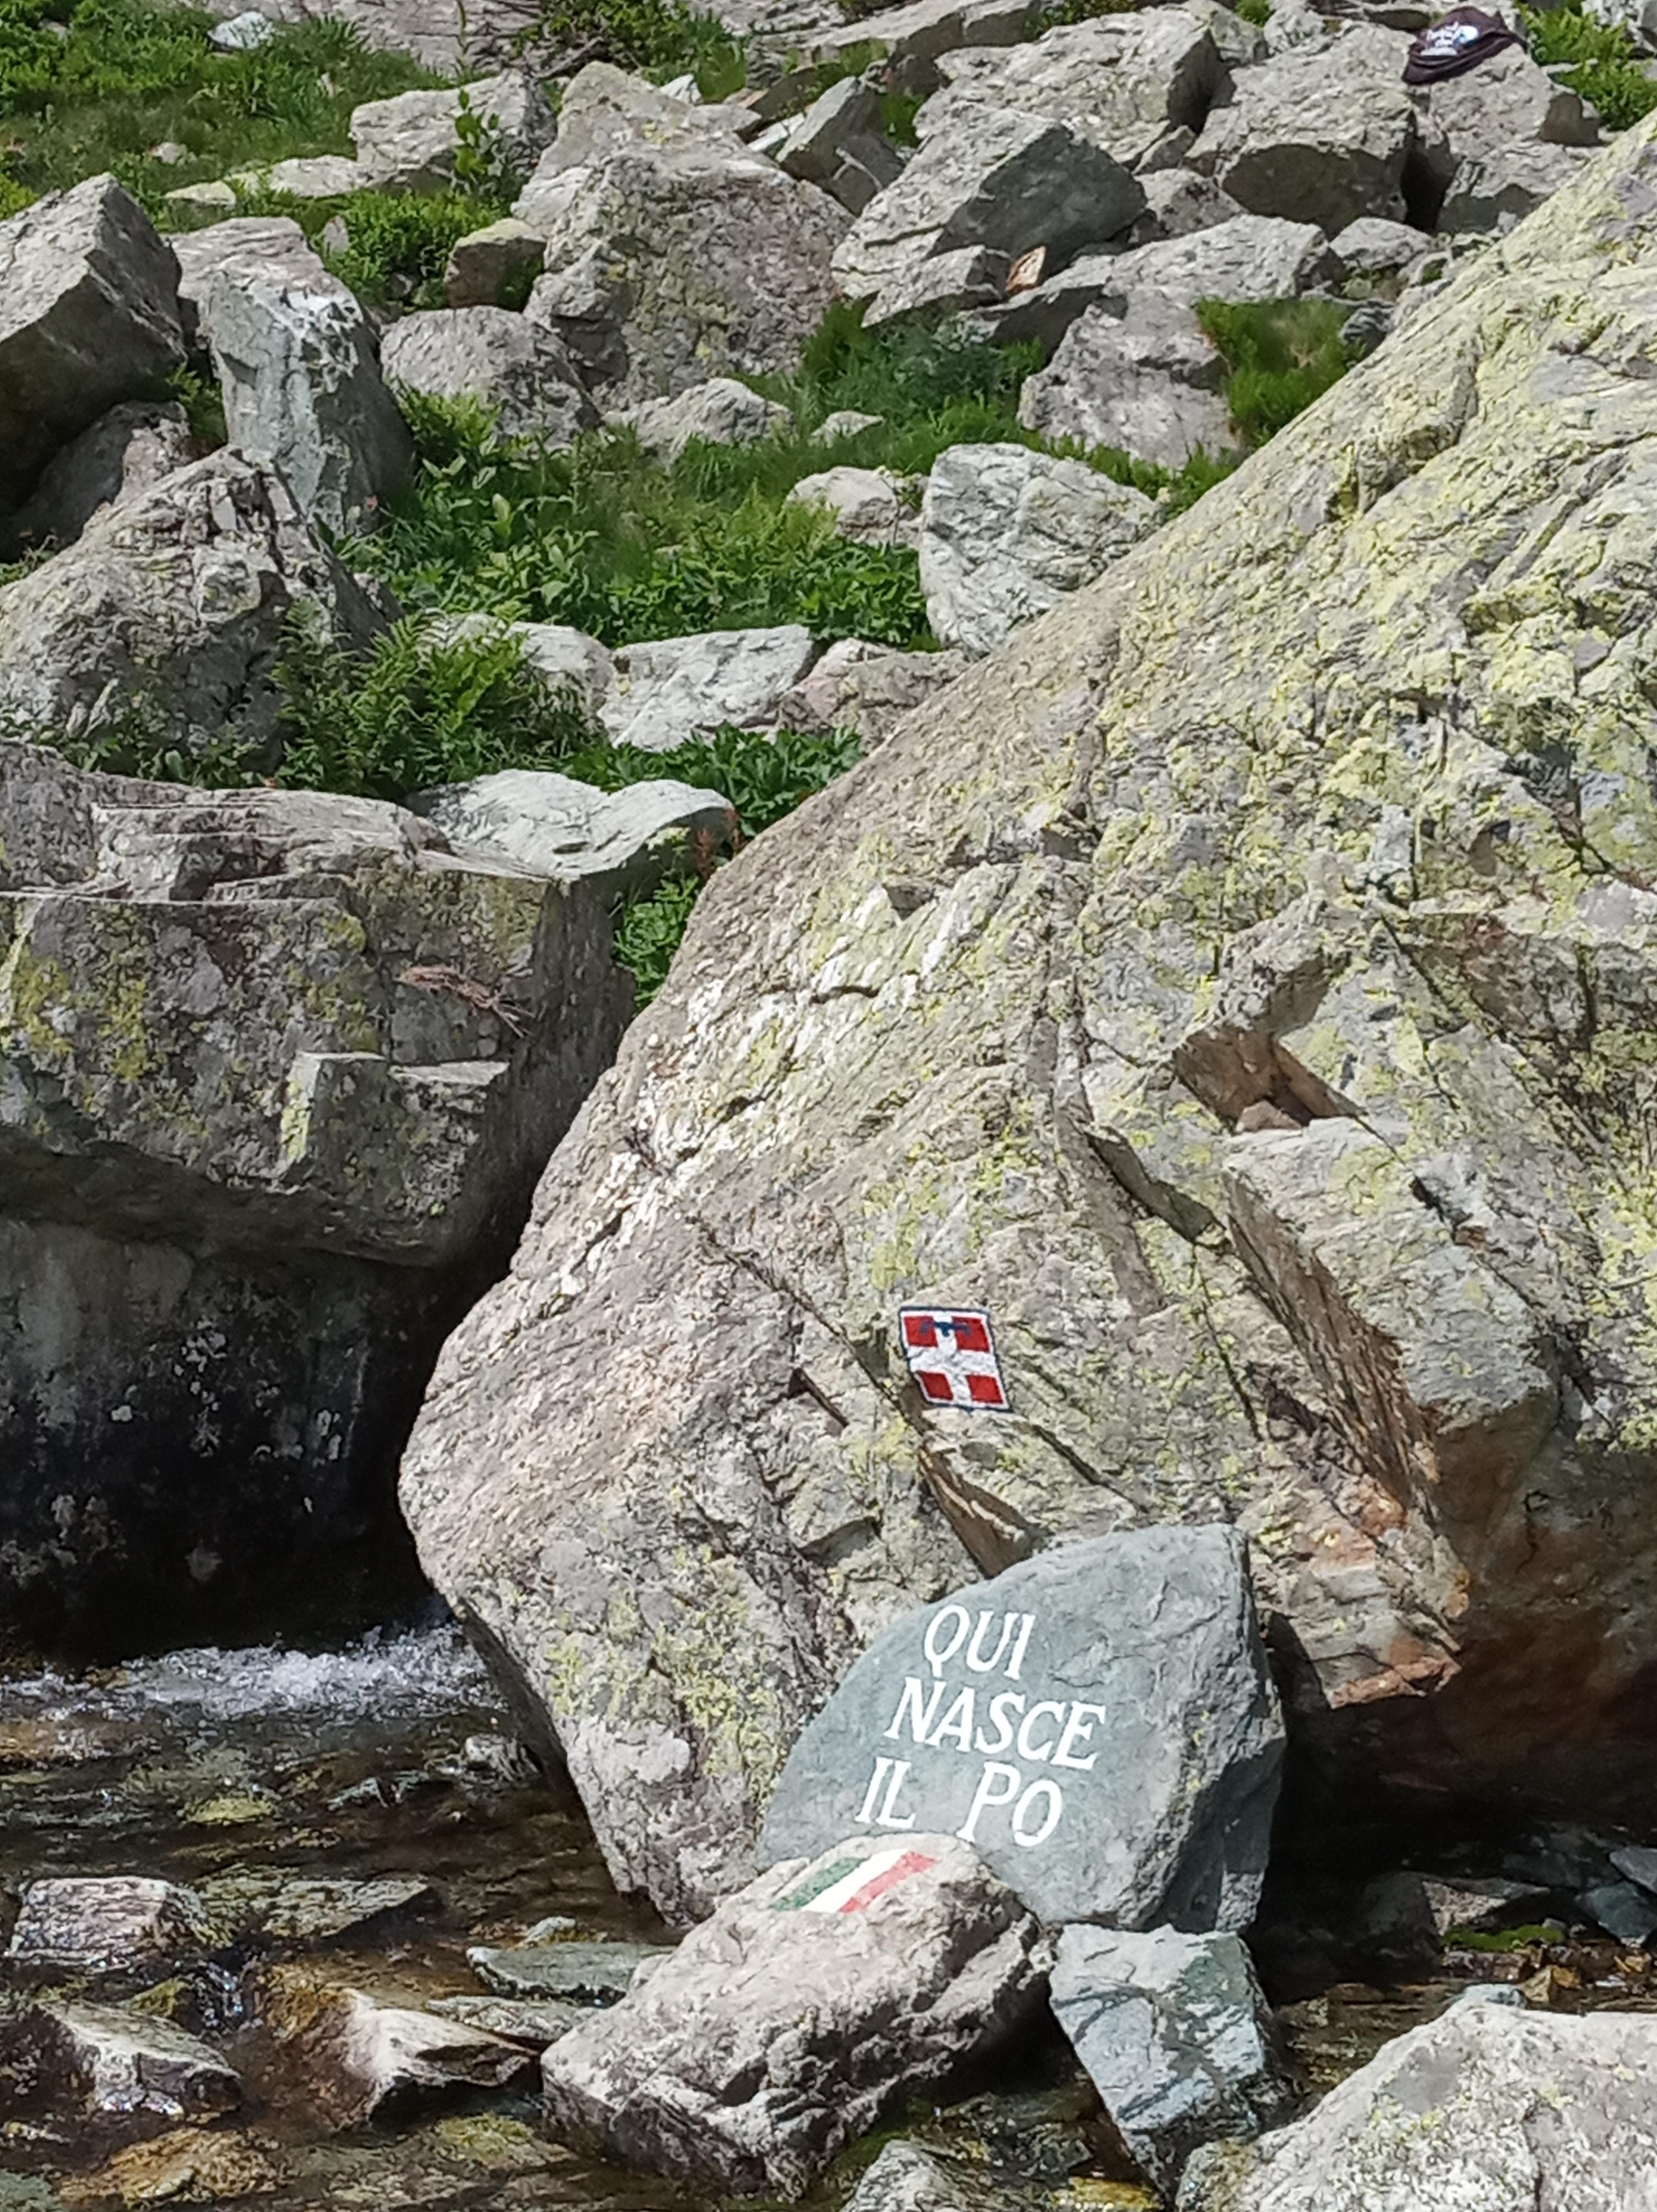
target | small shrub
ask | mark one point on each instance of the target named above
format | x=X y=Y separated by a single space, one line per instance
x=1607 y=69
x=649 y=928
x=1282 y=355
x=660 y=38
x=400 y=242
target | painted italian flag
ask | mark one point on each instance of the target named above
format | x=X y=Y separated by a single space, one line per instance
x=852 y=1885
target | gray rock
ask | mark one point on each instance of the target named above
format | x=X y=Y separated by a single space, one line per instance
x=1130 y=1775
x=241 y=33
x=1372 y=247
x=1509 y=101
x=408 y=145
x=1150 y=385
x=840 y=142
x=319 y=177
x=1318 y=135
x=666 y=265
x=515 y=2019
x=778 y=2032
x=1126 y=81
x=592 y=1973
x=1012 y=181
x=103 y=1924
x=721 y=411
x=284 y=1905
x=213 y=197
x=844 y=423
x=604 y=111
x=1176 y=2035
x=1622 y=1909
x=126 y=451
x=1178 y=203
x=247 y=1273
x=1449 y=2114
x=524 y=374
x=298 y=368
x=1637 y=17
x=866 y=689
x=867 y=505
x=943 y=284
x=1495 y=192
x=115 y=2064
x=1294 y=26
x=1479 y=1902
x=1239 y=44
x=1637 y=1862
x=914 y=36
x=626 y=840
x=1006 y=533
x=352 y=2055
x=906 y=2178
x=672 y=688
x=449 y=36
x=89 y=316
x=171 y=607
x=485 y=265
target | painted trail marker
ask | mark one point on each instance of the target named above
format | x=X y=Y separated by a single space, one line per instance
x=1097 y=1724
x=951 y=1352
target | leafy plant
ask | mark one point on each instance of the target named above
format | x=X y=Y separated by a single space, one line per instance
x=660 y=38
x=399 y=242
x=1282 y=355
x=1258 y=12
x=648 y=931
x=1607 y=70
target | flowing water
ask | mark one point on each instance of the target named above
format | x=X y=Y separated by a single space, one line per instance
x=215 y=1768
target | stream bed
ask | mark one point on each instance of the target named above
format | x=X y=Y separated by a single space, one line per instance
x=222 y=1770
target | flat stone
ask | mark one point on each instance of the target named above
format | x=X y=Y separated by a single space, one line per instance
x=515 y=2019
x=104 y=1923
x=522 y=373
x=1098 y=1723
x=1176 y=2036
x=672 y=688
x=593 y=1974
x=625 y=841
x=284 y=1905
x=195 y=2165
x=317 y=177
x=827 y=1990
x=1006 y=533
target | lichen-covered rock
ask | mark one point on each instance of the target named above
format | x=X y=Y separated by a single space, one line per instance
x=298 y=368
x=1329 y=801
x=1006 y=533
x=280 y=1069
x=409 y=143
x=521 y=373
x=1487 y=2105
x=89 y=316
x=667 y=264
x=168 y=611
x=827 y=1990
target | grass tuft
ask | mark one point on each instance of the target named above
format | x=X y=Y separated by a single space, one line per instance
x=1282 y=355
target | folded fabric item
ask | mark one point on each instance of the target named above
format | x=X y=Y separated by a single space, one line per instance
x=1457 y=42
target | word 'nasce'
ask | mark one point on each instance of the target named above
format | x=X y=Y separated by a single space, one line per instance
x=979 y=1722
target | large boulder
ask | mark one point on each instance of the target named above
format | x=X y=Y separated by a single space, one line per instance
x=126 y=451
x=523 y=374
x=410 y=144
x=830 y=1989
x=280 y=1071
x=1009 y=181
x=89 y=316
x=1329 y=803
x=1507 y=101
x=169 y=613
x=1097 y=1723
x=1150 y=384
x=669 y=690
x=1007 y=531
x=1320 y=134
x=298 y=366
x=1487 y=2105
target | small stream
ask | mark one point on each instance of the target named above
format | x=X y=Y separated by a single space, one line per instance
x=213 y=1768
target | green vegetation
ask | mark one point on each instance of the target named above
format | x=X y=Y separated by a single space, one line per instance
x=658 y=38
x=1500 y=1939
x=90 y=85
x=1607 y=70
x=1256 y=12
x=1282 y=355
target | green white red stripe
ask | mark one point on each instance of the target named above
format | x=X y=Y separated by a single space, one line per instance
x=852 y=1885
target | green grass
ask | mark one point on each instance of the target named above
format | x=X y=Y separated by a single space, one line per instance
x=1606 y=72
x=89 y=85
x=1282 y=355
x=398 y=242
x=658 y=38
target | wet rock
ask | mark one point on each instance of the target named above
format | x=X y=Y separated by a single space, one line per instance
x=670 y=689
x=1175 y=2033
x=1014 y=1713
x=111 y=2062
x=1318 y=135
x=534 y=2024
x=185 y=2164
x=666 y=264
x=866 y=689
x=90 y=317
x=251 y=1270
x=1006 y=533
x=721 y=411
x=1449 y=2113
x=286 y=1905
x=126 y=452
x=486 y=265
x=298 y=368
x=591 y=1974
x=354 y=2056
x=409 y=144
x=867 y=504
x=1012 y=181
x=906 y=2178
x=625 y=841
x=103 y=1924
x=524 y=375
x=778 y=2032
